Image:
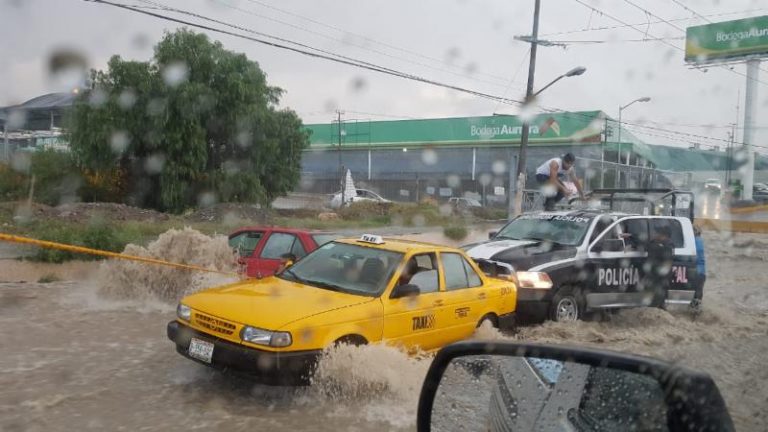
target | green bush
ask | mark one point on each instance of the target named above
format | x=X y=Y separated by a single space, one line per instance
x=95 y=236
x=455 y=232
x=489 y=213
x=56 y=177
x=419 y=214
x=13 y=184
x=365 y=210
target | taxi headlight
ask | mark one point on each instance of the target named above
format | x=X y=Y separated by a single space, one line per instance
x=183 y=312
x=536 y=280
x=264 y=337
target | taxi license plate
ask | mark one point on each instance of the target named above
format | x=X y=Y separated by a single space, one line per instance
x=201 y=350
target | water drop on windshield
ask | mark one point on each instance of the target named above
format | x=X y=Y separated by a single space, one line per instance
x=175 y=73
x=119 y=141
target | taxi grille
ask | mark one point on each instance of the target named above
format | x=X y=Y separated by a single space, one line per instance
x=214 y=324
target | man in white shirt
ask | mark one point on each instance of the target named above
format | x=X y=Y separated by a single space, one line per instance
x=551 y=175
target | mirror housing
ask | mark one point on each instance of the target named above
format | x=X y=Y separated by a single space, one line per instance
x=407 y=290
x=492 y=234
x=692 y=399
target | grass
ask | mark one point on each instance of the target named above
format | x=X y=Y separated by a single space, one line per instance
x=114 y=235
x=456 y=232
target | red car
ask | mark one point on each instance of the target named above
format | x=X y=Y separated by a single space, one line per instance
x=261 y=248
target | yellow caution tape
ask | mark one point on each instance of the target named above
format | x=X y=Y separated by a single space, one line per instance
x=85 y=250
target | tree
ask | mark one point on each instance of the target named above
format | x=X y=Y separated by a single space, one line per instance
x=195 y=121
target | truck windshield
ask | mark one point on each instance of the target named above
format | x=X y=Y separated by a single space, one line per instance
x=560 y=229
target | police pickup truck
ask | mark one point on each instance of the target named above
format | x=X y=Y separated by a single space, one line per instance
x=573 y=262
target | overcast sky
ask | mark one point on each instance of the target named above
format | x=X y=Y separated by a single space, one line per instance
x=467 y=43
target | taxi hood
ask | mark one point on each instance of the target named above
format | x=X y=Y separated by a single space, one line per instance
x=270 y=303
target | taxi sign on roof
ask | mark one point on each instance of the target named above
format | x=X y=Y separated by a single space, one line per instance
x=370 y=238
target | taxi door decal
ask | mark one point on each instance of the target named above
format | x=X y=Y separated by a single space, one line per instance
x=462 y=312
x=423 y=322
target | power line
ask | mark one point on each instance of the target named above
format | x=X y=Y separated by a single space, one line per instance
x=681 y=4
x=382 y=115
x=700 y=16
x=684 y=31
x=688 y=141
x=367 y=38
x=376 y=51
x=602 y=41
x=652 y=36
x=699 y=125
x=688 y=134
x=335 y=57
x=381 y=69
x=517 y=72
x=646 y=23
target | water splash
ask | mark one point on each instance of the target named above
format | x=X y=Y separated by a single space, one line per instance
x=134 y=280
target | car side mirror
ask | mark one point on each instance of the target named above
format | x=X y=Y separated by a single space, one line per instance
x=500 y=386
x=609 y=245
x=492 y=234
x=407 y=290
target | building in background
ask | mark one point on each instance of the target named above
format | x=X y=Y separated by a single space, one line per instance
x=34 y=124
x=408 y=160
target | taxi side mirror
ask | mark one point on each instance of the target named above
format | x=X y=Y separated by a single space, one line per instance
x=407 y=290
x=492 y=234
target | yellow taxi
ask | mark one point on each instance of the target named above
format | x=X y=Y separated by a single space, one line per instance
x=413 y=295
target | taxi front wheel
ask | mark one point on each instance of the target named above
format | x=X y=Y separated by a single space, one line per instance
x=567 y=305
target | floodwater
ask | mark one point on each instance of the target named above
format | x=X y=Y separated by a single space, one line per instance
x=78 y=356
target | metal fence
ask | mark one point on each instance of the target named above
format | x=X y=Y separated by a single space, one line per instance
x=490 y=189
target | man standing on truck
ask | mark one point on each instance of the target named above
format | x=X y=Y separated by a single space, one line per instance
x=551 y=174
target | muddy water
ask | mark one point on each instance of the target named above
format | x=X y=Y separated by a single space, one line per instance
x=74 y=359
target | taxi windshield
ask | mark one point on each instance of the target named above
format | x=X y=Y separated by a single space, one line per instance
x=346 y=268
x=560 y=229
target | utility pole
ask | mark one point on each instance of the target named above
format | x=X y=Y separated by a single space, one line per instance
x=729 y=156
x=750 y=102
x=517 y=185
x=341 y=167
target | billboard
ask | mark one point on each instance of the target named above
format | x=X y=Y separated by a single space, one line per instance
x=727 y=40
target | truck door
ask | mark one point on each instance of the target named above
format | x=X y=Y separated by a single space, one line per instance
x=684 y=265
x=616 y=265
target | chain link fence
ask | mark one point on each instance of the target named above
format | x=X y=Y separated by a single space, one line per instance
x=487 y=188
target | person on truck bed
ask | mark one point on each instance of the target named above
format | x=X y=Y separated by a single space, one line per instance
x=551 y=174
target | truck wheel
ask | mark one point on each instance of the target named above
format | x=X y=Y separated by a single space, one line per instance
x=567 y=305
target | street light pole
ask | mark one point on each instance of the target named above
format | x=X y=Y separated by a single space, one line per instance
x=341 y=167
x=622 y=108
x=515 y=207
x=516 y=184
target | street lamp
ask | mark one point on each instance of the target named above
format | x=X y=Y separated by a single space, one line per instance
x=573 y=72
x=622 y=108
x=516 y=206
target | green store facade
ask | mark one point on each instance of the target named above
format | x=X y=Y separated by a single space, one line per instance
x=406 y=160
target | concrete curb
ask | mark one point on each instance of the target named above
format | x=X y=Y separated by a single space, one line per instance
x=733 y=226
x=752 y=209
